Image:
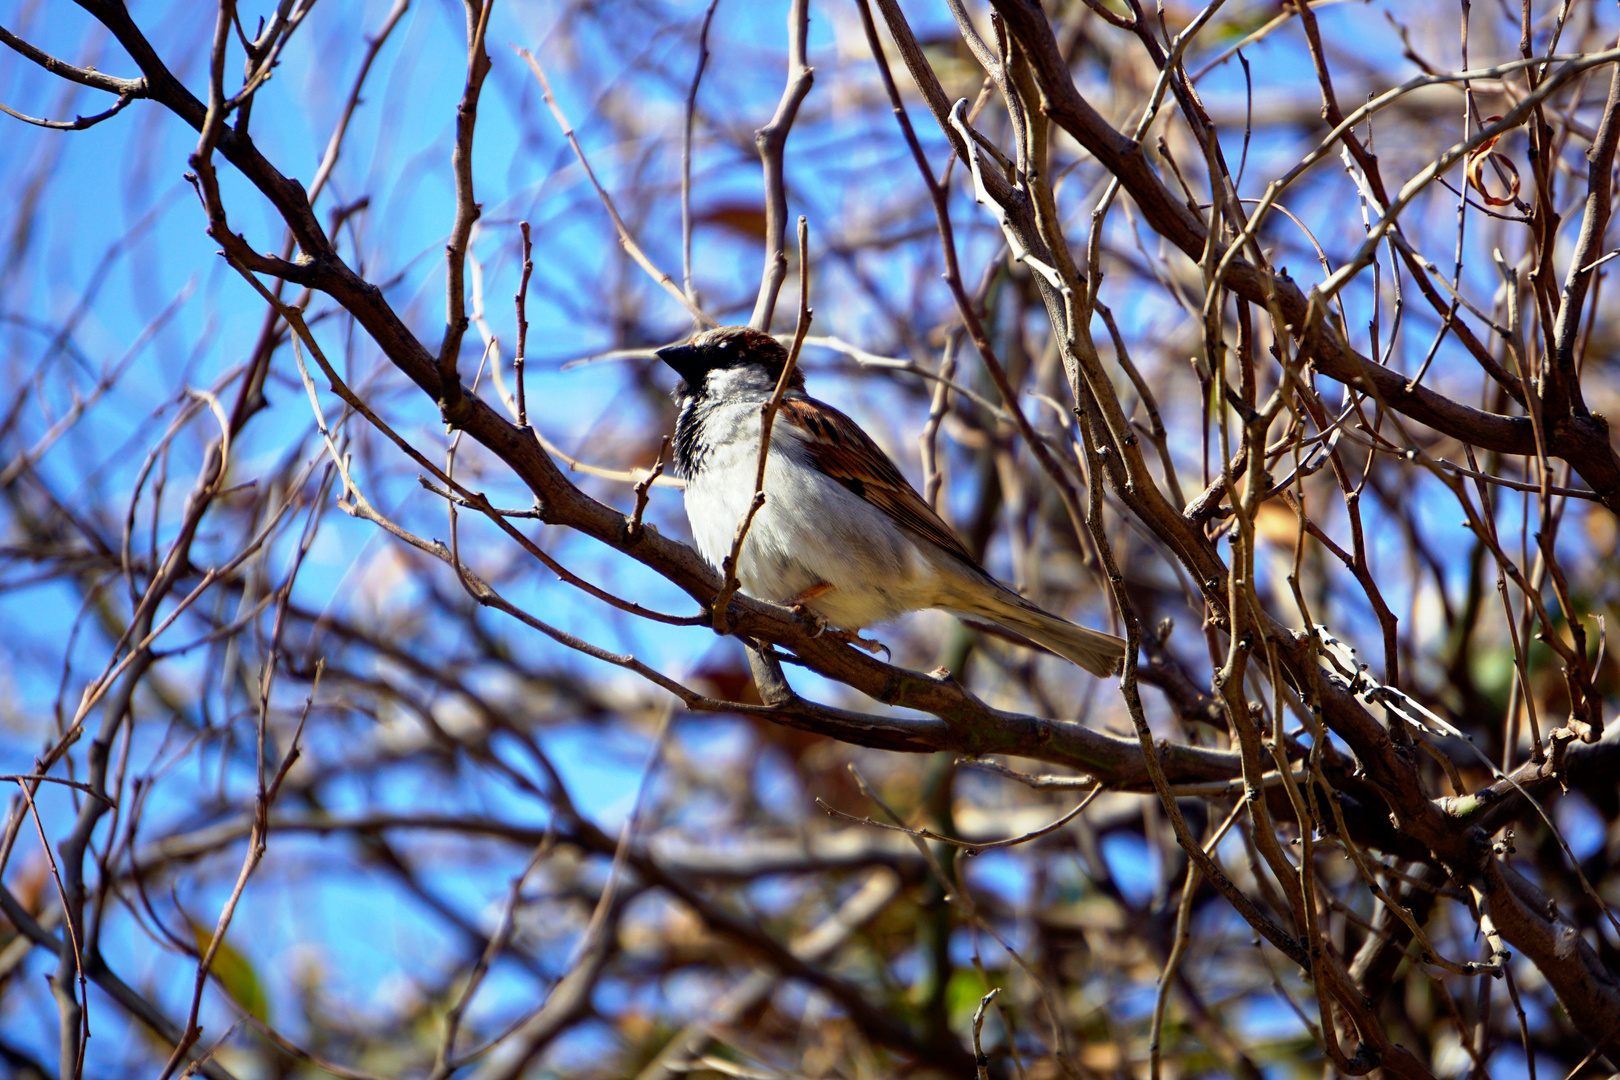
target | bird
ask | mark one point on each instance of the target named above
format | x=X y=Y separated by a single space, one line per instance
x=841 y=532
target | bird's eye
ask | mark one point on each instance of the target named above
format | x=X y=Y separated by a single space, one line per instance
x=724 y=345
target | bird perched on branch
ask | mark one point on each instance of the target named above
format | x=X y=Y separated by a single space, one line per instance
x=841 y=532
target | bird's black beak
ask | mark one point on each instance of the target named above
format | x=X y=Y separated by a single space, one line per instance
x=687 y=360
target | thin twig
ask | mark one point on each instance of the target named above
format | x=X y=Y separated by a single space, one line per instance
x=644 y=490
x=625 y=239
x=686 y=153
x=467 y=209
x=980 y=1062
x=767 y=419
x=973 y=847
x=771 y=141
x=522 y=302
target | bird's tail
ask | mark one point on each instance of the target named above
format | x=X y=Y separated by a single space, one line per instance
x=1097 y=652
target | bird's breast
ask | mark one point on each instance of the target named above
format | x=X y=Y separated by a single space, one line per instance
x=811 y=531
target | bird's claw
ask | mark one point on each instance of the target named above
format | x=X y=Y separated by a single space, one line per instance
x=871 y=645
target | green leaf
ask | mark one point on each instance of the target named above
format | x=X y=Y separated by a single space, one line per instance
x=235 y=975
x=963 y=994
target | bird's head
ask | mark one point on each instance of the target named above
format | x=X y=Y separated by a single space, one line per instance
x=727 y=360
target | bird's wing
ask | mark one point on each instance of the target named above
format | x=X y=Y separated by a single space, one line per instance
x=840 y=449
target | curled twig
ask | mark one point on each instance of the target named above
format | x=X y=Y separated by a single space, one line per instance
x=1486 y=152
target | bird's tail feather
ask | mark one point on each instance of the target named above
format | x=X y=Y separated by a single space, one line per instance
x=1093 y=650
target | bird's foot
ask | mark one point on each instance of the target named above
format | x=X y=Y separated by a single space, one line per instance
x=799 y=601
x=814 y=618
x=848 y=637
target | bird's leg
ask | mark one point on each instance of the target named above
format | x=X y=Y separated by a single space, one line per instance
x=799 y=599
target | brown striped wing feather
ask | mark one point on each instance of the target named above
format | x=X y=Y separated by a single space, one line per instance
x=847 y=454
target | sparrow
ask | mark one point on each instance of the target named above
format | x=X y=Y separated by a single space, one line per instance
x=841 y=531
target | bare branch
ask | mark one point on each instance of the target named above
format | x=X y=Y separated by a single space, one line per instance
x=625 y=239
x=771 y=141
x=467 y=208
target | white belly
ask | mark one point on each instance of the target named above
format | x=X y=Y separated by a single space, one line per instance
x=833 y=537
